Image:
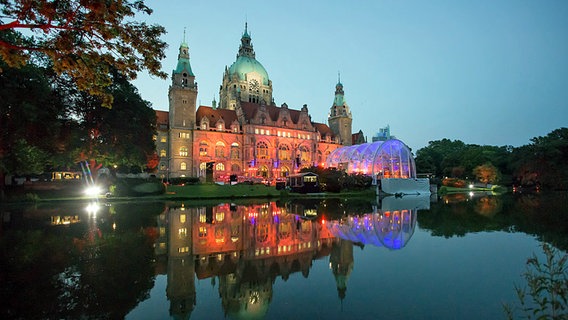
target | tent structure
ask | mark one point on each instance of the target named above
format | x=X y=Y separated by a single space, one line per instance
x=389 y=162
x=380 y=159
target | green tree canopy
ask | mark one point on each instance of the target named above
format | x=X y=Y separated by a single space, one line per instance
x=83 y=39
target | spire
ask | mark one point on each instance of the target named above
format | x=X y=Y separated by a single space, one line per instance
x=339 y=107
x=183 y=58
x=246 y=49
x=246 y=34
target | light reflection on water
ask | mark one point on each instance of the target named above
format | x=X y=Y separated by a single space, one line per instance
x=399 y=258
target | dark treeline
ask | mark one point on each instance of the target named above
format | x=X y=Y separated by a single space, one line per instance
x=48 y=124
x=541 y=163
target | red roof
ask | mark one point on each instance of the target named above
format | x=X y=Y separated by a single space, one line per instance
x=162 y=117
x=214 y=115
x=249 y=109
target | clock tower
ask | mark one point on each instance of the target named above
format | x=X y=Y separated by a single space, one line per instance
x=340 y=119
x=182 y=106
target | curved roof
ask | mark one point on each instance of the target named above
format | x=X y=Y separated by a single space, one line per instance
x=245 y=65
x=389 y=229
x=385 y=159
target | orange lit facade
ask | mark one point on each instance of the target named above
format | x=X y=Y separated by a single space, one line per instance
x=245 y=134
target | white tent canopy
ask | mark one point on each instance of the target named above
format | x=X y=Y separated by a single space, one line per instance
x=380 y=159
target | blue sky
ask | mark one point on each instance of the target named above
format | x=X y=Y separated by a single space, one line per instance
x=485 y=72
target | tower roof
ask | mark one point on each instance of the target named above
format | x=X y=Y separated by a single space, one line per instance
x=246 y=61
x=183 y=58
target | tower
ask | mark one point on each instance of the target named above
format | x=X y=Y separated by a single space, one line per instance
x=246 y=79
x=182 y=99
x=340 y=119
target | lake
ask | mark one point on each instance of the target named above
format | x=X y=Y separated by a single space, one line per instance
x=453 y=257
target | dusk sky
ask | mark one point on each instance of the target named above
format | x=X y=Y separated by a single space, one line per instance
x=485 y=72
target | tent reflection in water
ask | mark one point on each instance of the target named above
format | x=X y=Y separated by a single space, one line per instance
x=391 y=225
x=389 y=162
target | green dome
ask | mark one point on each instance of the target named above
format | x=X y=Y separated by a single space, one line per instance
x=245 y=65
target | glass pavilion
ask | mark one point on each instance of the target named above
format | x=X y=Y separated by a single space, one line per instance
x=380 y=159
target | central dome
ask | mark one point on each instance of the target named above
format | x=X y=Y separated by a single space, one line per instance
x=245 y=65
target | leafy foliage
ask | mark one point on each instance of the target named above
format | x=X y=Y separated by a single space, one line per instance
x=83 y=39
x=547 y=285
x=487 y=173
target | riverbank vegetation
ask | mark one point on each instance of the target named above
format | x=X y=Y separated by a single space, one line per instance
x=539 y=164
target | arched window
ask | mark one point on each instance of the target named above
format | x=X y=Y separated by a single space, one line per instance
x=220 y=167
x=220 y=127
x=183 y=166
x=235 y=168
x=203 y=148
x=235 y=151
x=304 y=155
x=219 y=149
x=284 y=172
x=183 y=151
x=202 y=168
x=203 y=125
x=283 y=152
x=162 y=153
x=261 y=150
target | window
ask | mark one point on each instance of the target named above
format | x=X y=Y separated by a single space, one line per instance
x=220 y=127
x=183 y=166
x=203 y=126
x=235 y=168
x=235 y=152
x=263 y=171
x=220 y=167
x=283 y=152
x=182 y=233
x=284 y=172
x=304 y=154
x=202 y=232
x=163 y=139
x=219 y=149
x=182 y=218
x=203 y=148
x=262 y=150
x=183 y=151
x=163 y=153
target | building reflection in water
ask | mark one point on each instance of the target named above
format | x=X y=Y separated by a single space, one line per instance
x=247 y=247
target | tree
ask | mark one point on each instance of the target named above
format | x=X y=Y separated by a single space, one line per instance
x=487 y=173
x=122 y=135
x=543 y=161
x=30 y=118
x=83 y=39
x=441 y=155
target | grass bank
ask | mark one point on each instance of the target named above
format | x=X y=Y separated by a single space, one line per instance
x=445 y=189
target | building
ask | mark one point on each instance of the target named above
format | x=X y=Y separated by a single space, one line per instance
x=383 y=134
x=245 y=135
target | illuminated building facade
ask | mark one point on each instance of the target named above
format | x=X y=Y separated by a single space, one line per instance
x=245 y=134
